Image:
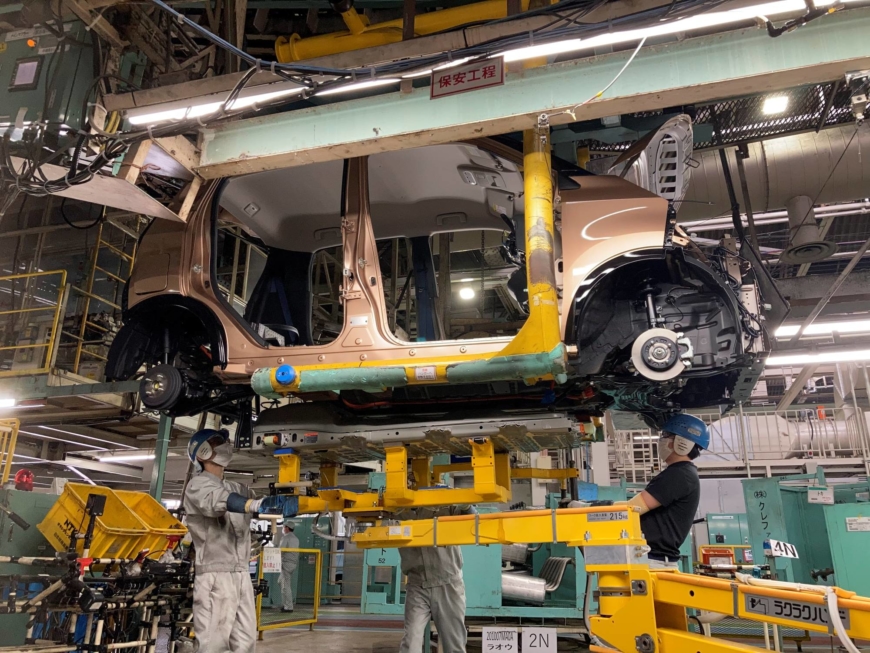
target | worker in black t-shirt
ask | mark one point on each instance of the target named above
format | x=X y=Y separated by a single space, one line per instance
x=669 y=502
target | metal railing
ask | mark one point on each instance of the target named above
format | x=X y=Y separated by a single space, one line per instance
x=32 y=330
x=747 y=437
x=8 y=440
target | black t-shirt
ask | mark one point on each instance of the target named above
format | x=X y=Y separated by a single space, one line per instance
x=678 y=489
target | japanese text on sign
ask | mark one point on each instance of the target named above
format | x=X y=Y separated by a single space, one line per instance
x=500 y=640
x=780 y=549
x=821 y=495
x=467 y=78
x=271 y=560
x=797 y=610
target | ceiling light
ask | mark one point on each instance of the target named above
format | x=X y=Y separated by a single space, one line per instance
x=466 y=293
x=359 y=86
x=7 y=402
x=544 y=50
x=822 y=328
x=466 y=280
x=429 y=71
x=183 y=110
x=774 y=105
x=75 y=471
x=813 y=359
x=699 y=21
x=118 y=459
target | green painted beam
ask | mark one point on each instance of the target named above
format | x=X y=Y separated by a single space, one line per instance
x=693 y=70
x=161 y=451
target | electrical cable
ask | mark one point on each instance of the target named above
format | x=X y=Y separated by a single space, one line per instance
x=109 y=146
x=72 y=224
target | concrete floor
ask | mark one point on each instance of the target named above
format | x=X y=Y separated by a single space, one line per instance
x=345 y=641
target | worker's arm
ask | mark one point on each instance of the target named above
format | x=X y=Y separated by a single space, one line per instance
x=207 y=498
x=644 y=501
x=279 y=504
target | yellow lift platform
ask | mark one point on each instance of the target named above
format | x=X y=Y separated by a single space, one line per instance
x=640 y=610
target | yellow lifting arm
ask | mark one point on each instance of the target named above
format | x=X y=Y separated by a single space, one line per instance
x=640 y=611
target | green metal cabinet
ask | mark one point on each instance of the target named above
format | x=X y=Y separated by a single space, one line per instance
x=32 y=507
x=778 y=509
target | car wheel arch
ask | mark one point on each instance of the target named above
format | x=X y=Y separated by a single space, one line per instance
x=148 y=319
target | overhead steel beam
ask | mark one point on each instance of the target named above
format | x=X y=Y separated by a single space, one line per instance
x=682 y=72
x=795 y=388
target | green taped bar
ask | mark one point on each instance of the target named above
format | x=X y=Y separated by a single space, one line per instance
x=511 y=368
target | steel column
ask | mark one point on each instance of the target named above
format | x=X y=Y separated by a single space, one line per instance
x=161 y=449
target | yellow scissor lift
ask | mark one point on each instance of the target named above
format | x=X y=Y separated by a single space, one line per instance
x=640 y=610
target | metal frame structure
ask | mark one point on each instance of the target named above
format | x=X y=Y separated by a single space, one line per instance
x=261 y=627
x=640 y=609
x=694 y=70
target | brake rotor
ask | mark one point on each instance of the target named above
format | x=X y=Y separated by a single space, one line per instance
x=655 y=354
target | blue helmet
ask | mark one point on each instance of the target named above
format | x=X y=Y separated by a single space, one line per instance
x=203 y=443
x=689 y=427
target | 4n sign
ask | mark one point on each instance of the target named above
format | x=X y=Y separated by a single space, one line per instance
x=470 y=77
x=780 y=549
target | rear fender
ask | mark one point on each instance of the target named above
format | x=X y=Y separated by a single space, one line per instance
x=141 y=337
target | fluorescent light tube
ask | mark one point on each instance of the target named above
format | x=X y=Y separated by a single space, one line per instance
x=359 y=86
x=813 y=359
x=185 y=112
x=118 y=459
x=822 y=328
x=699 y=21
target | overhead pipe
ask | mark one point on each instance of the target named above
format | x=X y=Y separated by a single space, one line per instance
x=781 y=168
x=775 y=217
x=360 y=34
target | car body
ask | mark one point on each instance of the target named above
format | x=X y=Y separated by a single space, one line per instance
x=637 y=317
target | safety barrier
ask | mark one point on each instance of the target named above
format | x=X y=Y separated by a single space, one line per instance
x=31 y=324
x=304 y=588
x=741 y=438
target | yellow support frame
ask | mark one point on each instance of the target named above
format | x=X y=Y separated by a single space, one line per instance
x=8 y=440
x=318 y=564
x=639 y=609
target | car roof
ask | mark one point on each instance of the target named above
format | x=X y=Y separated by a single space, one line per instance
x=414 y=192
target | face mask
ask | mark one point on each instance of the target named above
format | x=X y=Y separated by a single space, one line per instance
x=666 y=448
x=223 y=454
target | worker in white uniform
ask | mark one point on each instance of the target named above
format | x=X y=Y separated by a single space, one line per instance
x=218 y=517
x=435 y=589
x=289 y=561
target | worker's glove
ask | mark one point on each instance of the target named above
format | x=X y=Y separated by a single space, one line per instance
x=280 y=504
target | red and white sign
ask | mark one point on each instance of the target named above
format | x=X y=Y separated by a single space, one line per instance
x=470 y=77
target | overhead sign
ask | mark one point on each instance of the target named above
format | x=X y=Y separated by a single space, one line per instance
x=821 y=495
x=539 y=640
x=500 y=640
x=778 y=549
x=469 y=77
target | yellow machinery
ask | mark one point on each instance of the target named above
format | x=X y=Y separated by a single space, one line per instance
x=360 y=34
x=640 y=610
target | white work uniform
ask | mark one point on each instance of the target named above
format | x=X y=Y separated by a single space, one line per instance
x=224 y=614
x=289 y=560
x=435 y=589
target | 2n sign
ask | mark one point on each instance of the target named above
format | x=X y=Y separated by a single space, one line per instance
x=539 y=640
x=781 y=549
